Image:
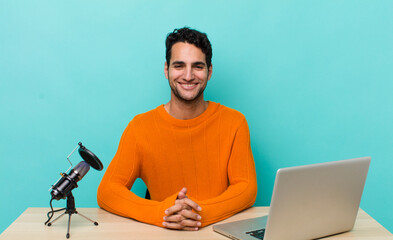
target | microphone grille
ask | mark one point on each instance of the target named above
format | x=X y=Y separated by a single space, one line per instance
x=82 y=168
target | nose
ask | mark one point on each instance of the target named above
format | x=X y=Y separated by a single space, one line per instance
x=188 y=75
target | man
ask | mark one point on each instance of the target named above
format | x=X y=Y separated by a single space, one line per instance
x=193 y=155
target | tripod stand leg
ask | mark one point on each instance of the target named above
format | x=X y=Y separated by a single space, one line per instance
x=68 y=227
x=95 y=223
x=50 y=223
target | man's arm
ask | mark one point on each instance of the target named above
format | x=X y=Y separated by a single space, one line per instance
x=242 y=190
x=114 y=193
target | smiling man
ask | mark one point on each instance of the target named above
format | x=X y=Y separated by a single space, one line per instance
x=194 y=155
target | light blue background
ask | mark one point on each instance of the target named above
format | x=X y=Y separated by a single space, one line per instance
x=313 y=78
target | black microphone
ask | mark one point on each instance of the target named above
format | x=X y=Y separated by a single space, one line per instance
x=62 y=189
x=67 y=183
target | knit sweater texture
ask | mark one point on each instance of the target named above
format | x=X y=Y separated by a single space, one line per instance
x=210 y=155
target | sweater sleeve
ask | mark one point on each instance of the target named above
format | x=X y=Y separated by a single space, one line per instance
x=114 y=193
x=242 y=189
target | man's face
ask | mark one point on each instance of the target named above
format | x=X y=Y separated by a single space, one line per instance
x=187 y=72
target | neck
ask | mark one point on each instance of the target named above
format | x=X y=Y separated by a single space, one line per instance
x=185 y=110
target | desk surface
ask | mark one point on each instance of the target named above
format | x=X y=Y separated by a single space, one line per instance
x=31 y=225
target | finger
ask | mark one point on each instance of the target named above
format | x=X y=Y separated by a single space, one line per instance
x=177 y=218
x=190 y=215
x=190 y=228
x=172 y=225
x=183 y=204
x=192 y=204
x=182 y=194
x=178 y=226
x=190 y=223
x=174 y=209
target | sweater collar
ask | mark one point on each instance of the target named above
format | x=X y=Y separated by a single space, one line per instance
x=210 y=110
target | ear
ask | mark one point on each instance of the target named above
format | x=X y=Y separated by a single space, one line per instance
x=166 y=70
x=210 y=72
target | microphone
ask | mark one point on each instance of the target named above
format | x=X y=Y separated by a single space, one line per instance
x=62 y=189
x=68 y=182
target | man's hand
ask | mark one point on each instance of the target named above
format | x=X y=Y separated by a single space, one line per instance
x=180 y=216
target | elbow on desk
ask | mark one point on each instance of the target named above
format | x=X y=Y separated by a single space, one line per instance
x=103 y=197
x=100 y=194
x=105 y=200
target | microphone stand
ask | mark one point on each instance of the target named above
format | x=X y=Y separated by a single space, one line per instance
x=70 y=209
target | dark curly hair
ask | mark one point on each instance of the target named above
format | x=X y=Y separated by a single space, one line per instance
x=191 y=36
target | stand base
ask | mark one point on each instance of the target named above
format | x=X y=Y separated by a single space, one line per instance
x=70 y=212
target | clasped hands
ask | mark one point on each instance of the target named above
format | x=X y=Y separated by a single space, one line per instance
x=180 y=216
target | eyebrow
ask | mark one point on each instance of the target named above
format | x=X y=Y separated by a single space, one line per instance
x=194 y=63
x=199 y=63
x=178 y=62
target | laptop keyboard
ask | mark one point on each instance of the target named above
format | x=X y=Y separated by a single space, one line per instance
x=257 y=233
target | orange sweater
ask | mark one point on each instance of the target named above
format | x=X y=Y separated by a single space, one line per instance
x=210 y=155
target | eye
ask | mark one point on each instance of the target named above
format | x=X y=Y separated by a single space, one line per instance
x=200 y=67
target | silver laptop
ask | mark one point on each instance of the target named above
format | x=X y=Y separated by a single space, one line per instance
x=308 y=202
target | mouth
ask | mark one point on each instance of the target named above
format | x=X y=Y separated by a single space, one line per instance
x=188 y=86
